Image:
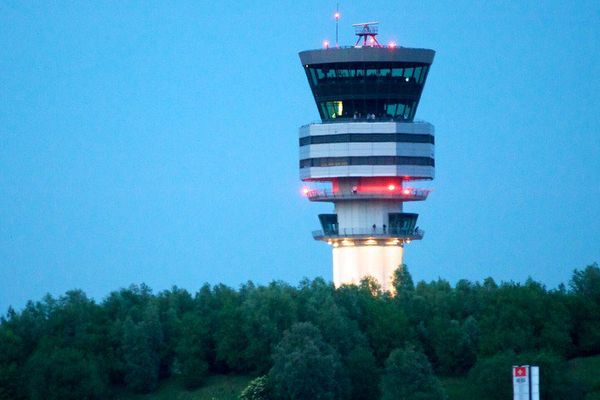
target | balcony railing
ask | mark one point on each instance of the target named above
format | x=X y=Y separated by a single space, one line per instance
x=399 y=194
x=375 y=233
x=364 y=119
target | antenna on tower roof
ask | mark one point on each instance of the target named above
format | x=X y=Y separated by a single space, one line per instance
x=337 y=22
x=367 y=30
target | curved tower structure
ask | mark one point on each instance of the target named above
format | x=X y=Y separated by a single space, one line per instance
x=368 y=148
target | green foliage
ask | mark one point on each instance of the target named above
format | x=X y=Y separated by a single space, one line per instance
x=492 y=376
x=10 y=372
x=172 y=305
x=553 y=376
x=135 y=339
x=257 y=389
x=305 y=367
x=363 y=374
x=524 y=318
x=455 y=345
x=267 y=313
x=403 y=282
x=64 y=374
x=140 y=351
x=230 y=343
x=586 y=283
x=584 y=371
x=408 y=375
x=585 y=307
x=192 y=351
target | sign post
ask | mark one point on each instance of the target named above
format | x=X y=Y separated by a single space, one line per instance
x=526 y=382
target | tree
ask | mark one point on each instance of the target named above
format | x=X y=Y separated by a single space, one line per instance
x=11 y=348
x=64 y=374
x=191 y=351
x=491 y=376
x=230 y=342
x=403 y=282
x=305 y=367
x=387 y=327
x=172 y=305
x=585 y=309
x=556 y=382
x=587 y=283
x=267 y=312
x=320 y=308
x=455 y=347
x=408 y=375
x=523 y=318
x=140 y=346
x=363 y=374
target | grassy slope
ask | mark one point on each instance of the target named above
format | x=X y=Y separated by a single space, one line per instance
x=457 y=388
x=218 y=387
x=585 y=370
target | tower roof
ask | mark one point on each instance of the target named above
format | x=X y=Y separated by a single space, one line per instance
x=367 y=54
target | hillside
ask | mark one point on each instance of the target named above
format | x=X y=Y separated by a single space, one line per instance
x=310 y=340
x=222 y=387
x=217 y=387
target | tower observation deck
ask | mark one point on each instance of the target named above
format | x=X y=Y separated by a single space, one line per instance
x=367 y=148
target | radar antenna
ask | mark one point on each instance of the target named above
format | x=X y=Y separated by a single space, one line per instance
x=367 y=32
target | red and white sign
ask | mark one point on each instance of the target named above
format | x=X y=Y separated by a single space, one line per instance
x=519 y=372
x=526 y=382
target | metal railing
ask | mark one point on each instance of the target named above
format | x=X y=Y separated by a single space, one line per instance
x=396 y=194
x=377 y=232
x=364 y=119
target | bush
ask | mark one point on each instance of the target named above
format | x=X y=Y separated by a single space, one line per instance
x=491 y=376
x=64 y=374
x=305 y=367
x=257 y=389
x=408 y=375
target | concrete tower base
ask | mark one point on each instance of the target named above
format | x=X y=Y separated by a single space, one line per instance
x=353 y=263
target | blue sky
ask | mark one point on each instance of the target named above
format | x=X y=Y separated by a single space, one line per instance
x=156 y=142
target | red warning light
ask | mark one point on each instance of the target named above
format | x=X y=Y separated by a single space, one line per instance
x=305 y=191
x=337 y=15
x=391 y=187
x=392 y=45
x=325 y=44
x=406 y=192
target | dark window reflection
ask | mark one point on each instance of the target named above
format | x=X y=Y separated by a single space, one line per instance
x=366 y=160
x=383 y=91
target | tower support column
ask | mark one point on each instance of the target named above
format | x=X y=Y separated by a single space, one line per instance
x=351 y=264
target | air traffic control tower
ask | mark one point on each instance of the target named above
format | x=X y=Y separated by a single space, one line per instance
x=367 y=149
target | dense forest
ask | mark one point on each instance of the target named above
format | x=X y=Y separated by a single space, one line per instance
x=309 y=341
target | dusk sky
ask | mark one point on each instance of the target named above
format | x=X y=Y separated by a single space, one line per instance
x=157 y=142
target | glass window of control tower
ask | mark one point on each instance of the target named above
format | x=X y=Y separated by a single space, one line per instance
x=322 y=74
x=386 y=91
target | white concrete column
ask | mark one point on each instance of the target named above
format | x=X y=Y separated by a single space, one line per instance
x=353 y=263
